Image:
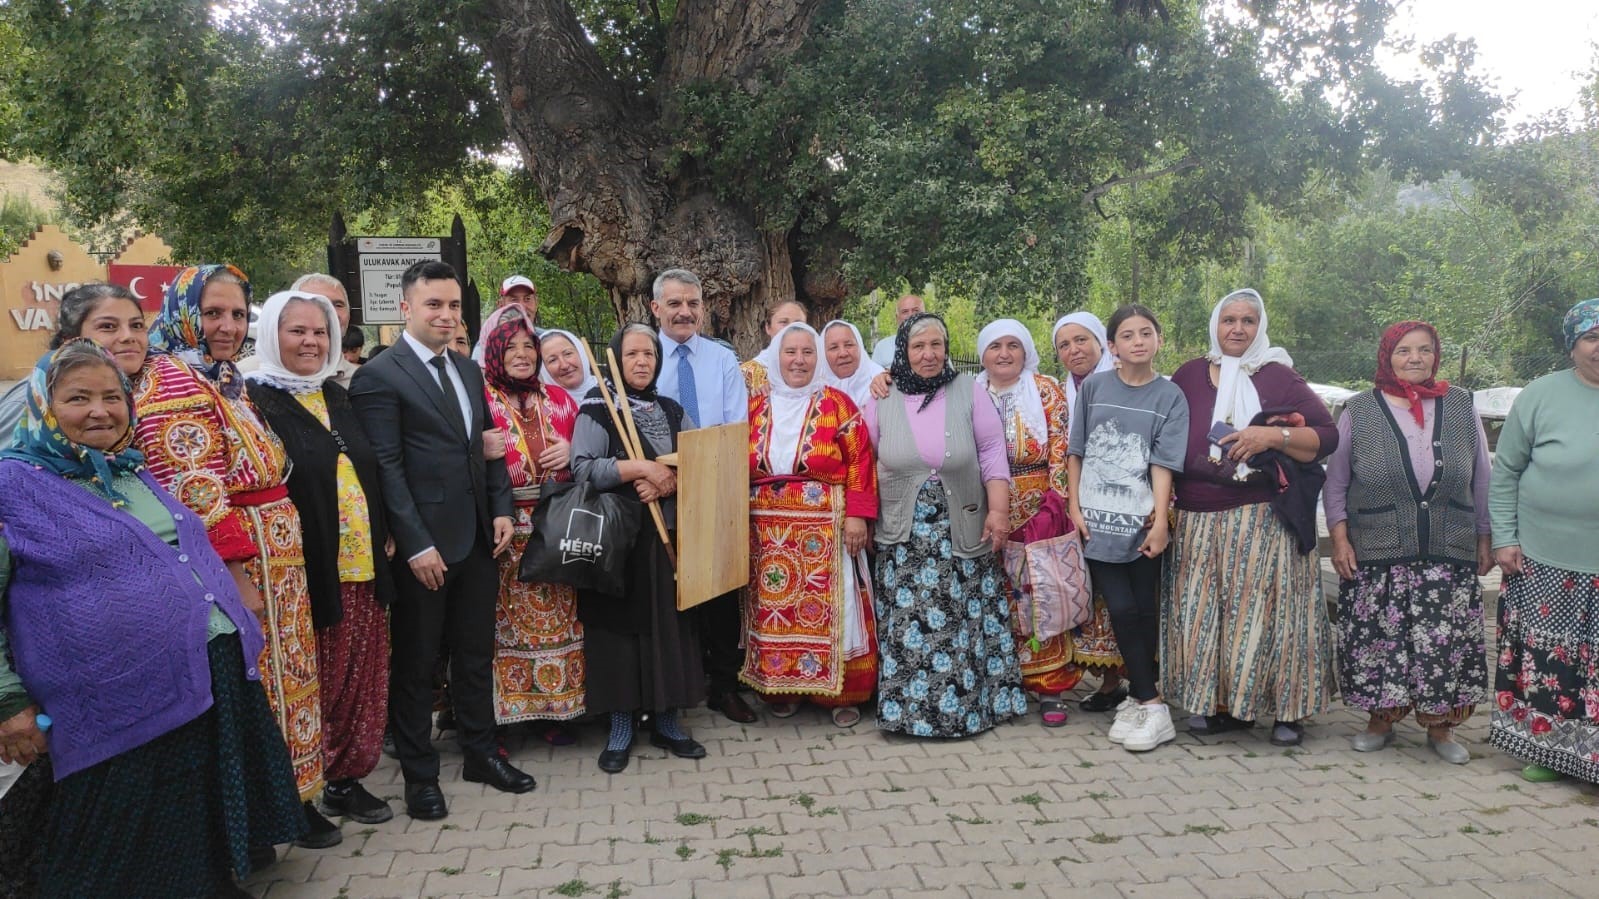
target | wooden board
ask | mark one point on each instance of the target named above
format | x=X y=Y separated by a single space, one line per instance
x=713 y=512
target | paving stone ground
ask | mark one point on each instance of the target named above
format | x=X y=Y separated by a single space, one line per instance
x=803 y=808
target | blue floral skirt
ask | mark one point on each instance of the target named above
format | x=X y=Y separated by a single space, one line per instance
x=948 y=663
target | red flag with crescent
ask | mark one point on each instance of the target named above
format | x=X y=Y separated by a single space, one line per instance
x=147 y=282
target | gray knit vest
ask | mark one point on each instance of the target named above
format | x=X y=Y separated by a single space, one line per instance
x=1391 y=521
x=901 y=471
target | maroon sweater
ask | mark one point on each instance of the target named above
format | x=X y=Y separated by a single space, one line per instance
x=1205 y=486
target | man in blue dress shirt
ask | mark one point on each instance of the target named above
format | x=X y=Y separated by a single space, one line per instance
x=703 y=377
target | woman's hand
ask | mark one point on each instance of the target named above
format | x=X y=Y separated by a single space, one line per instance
x=880 y=385
x=1079 y=523
x=1156 y=540
x=21 y=741
x=1485 y=554
x=493 y=444
x=557 y=456
x=1343 y=558
x=854 y=535
x=995 y=532
x=662 y=478
x=248 y=592
x=1509 y=559
x=646 y=491
x=1246 y=443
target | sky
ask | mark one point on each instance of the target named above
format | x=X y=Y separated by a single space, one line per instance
x=1538 y=49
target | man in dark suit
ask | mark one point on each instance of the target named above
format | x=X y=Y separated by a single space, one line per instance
x=450 y=513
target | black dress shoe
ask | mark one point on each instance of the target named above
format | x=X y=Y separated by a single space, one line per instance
x=348 y=799
x=323 y=834
x=262 y=857
x=1103 y=702
x=424 y=801
x=734 y=707
x=686 y=748
x=497 y=773
x=614 y=761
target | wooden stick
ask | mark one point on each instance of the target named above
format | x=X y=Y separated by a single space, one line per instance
x=629 y=444
x=638 y=450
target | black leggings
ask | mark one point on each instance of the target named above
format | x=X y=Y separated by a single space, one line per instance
x=1132 y=596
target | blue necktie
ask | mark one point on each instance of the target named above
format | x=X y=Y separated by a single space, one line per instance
x=687 y=391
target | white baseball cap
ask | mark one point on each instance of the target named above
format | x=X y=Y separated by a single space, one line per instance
x=514 y=282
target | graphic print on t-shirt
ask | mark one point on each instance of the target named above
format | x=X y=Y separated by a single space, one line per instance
x=1116 y=494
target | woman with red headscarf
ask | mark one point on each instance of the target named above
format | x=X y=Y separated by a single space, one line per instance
x=1407 y=506
x=538 y=655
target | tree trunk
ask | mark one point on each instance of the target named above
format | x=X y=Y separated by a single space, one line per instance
x=595 y=151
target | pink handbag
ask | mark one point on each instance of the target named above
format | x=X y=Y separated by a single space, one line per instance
x=1052 y=592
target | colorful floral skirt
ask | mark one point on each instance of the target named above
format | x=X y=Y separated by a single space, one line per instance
x=289 y=659
x=948 y=665
x=1546 y=691
x=353 y=675
x=177 y=815
x=796 y=610
x=539 y=665
x=1243 y=626
x=1410 y=637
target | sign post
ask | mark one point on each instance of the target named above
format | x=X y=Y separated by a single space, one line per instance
x=370 y=269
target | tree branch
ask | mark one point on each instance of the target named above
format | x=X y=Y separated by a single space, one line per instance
x=1092 y=195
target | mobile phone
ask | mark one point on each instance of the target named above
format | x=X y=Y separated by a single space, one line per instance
x=1218 y=430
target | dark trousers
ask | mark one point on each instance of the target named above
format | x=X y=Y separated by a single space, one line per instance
x=719 y=625
x=1132 y=596
x=462 y=613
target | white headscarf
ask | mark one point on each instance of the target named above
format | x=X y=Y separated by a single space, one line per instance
x=1237 y=402
x=1029 y=404
x=789 y=404
x=271 y=369
x=857 y=386
x=492 y=322
x=588 y=370
x=1089 y=322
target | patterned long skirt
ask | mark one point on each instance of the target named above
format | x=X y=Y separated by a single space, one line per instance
x=175 y=816
x=1546 y=702
x=948 y=658
x=1244 y=629
x=289 y=659
x=353 y=670
x=539 y=668
x=797 y=612
x=1410 y=637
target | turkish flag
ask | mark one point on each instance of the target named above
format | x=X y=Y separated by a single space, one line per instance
x=148 y=282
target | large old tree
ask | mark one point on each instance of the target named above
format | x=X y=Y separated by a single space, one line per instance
x=780 y=148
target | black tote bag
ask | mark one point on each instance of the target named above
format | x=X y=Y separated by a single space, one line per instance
x=581 y=537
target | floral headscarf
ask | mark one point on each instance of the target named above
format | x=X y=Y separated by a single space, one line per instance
x=1581 y=319
x=908 y=381
x=503 y=314
x=1388 y=380
x=40 y=442
x=177 y=329
x=494 y=347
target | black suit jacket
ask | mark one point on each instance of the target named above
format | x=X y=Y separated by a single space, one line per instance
x=438 y=489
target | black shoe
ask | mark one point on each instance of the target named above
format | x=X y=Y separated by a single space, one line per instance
x=1287 y=733
x=685 y=748
x=424 y=801
x=324 y=834
x=262 y=857
x=388 y=745
x=734 y=707
x=497 y=773
x=614 y=761
x=228 y=889
x=347 y=798
x=1211 y=725
x=1103 y=702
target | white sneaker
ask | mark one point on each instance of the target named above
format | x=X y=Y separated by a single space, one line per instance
x=1151 y=727
x=1123 y=725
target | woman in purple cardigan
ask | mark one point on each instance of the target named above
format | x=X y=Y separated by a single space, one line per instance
x=127 y=630
x=1246 y=631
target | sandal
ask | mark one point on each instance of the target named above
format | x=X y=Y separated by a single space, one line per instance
x=846 y=716
x=1052 y=711
x=783 y=709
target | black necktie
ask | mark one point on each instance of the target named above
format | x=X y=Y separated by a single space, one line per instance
x=452 y=401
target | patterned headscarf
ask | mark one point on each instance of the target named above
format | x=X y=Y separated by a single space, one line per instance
x=1581 y=319
x=499 y=340
x=40 y=442
x=504 y=313
x=177 y=329
x=908 y=381
x=1389 y=382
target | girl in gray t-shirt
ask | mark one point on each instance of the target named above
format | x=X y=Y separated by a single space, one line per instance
x=1129 y=433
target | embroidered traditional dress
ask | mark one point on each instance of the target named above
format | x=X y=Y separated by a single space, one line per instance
x=538 y=655
x=1037 y=467
x=217 y=457
x=755 y=376
x=808 y=624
